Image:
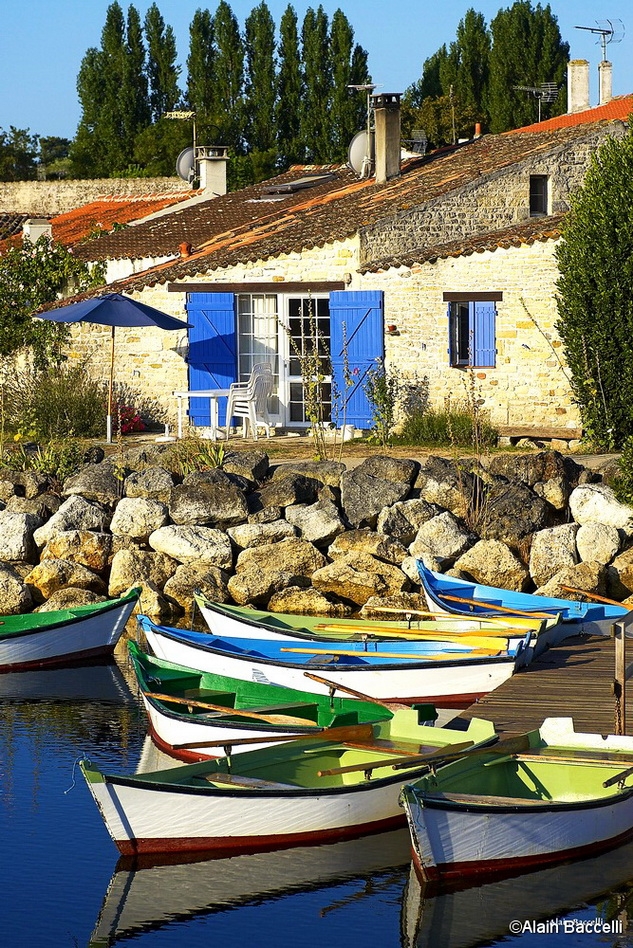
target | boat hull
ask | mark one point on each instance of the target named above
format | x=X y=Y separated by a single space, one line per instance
x=449 y=683
x=74 y=642
x=454 y=845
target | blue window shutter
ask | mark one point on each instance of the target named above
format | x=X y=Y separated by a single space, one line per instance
x=484 y=334
x=452 y=355
x=212 y=349
x=357 y=336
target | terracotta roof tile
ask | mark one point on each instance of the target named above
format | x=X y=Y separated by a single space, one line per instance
x=249 y=225
x=620 y=107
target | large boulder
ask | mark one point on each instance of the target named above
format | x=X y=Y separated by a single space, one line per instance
x=16 y=536
x=511 y=511
x=492 y=563
x=286 y=491
x=210 y=498
x=154 y=483
x=376 y=483
x=134 y=567
x=357 y=577
x=138 y=517
x=447 y=484
x=15 y=594
x=306 y=602
x=50 y=575
x=380 y=545
x=552 y=550
x=403 y=519
x=597 y=541
x=99 y=482
x=441 y=540
x=88 y=548
x=245 y=535
x=319 y=523
x=210 y=580
x=76 y=513
x=589 y=577
x=202 y=545
x=597 y=503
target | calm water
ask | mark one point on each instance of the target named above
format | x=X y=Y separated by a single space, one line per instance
x=63 y=885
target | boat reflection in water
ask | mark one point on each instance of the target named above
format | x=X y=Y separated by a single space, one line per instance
x=101 y=682
x=599 y=888
x=145 y=896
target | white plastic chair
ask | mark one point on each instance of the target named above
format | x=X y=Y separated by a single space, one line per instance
x=249 y=401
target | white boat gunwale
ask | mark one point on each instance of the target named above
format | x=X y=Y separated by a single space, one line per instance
x=408 y=663
x=100 y=609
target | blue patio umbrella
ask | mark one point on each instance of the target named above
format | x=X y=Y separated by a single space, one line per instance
x=113 y=309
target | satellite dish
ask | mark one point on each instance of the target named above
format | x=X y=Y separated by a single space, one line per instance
x=360 y=153
x=186 y=165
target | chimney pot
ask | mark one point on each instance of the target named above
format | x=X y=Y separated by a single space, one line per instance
x=577 y=85
x=387 y=136
x=185 y=249
x=605 y=82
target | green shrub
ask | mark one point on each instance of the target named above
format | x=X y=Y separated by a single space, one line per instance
x=452 y=427
x=195 y=454
x=623 y=481
x=58 y=459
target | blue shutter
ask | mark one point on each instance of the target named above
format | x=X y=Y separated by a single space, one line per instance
x=212 y=349
x=357 y=337
x=452 y=356
x=483 y=325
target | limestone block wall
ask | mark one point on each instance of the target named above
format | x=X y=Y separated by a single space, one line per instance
x=49 y=198
x=153 y=362
x=499 y=200
x=530 y=383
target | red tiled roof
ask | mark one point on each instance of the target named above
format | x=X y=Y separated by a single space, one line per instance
x=251 y=224
x=620 y=107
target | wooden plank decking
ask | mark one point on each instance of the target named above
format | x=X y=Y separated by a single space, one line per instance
x=574 y=679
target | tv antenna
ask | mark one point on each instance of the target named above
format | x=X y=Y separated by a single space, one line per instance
x=363 y=141
x=546 y=92
x=607 y=33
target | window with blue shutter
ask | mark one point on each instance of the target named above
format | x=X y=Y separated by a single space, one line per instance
x=357 y=345
x=212 y=357
x=472 y=332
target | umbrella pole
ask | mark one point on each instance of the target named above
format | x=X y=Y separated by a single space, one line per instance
x=110 y=389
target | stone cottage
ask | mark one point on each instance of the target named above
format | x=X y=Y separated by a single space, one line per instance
x=441 y=264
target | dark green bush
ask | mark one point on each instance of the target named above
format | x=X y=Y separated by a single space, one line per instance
x=453 y=427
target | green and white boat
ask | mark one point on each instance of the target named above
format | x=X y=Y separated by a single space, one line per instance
x=194 y=715
x=297 y=793
x=547 y=796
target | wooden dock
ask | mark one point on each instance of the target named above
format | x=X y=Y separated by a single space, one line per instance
x=574 y=679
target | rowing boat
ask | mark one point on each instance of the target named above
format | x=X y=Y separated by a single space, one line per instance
x=411 y=672
x=301 y=792
x=544 y=797
x=195 y=715
x=467 y=598
x=64 y=637
x=229 y=622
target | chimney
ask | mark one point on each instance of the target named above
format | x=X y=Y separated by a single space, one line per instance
x=387 y=136
x=577 y=85
x=35 y=227
x=605 y=82
x=211 y=161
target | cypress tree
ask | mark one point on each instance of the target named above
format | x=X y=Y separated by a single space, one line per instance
x=349 y=66
x=289 y=92
x=162 y=70
x=315 y=113
x=228 y=84
x=201 y=65
x=260 y=80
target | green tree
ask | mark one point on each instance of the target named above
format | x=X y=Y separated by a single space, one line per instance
x=18 y=150
x=30 y=277
x=260 y=86
x=473 y=56
x=349 y=66
x=289 y=92
x=228 y=84
x=135 y=110
x=201 y=65
x=162 y=70
x=527 y=50
x=595 y=294
x=315 y=113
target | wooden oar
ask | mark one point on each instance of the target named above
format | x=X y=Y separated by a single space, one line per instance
x=399 y=763
x=452 y=617
x=434 y=657
x=508 y=746
x=496 y=608
x=283 y=719
x=588 y=595
x=355 y=694
x=350 y=732
x=485 y=639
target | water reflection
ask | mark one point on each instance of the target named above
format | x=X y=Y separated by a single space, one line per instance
x=103 y=683
x=141 y=899
x=480 y=915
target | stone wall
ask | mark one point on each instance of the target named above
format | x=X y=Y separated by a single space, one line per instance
x=500 y=200
x=49 y=198
x=530 y=384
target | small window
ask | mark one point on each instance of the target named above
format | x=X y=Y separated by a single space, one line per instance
x=472 y=340
x=539 y=195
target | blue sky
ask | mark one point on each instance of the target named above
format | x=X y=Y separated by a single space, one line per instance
x=42 y=43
